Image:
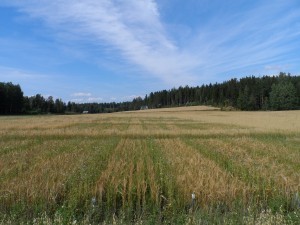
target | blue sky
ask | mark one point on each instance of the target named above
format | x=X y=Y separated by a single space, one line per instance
x=114 y=50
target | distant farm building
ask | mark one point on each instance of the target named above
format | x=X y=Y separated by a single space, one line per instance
x=85 y=112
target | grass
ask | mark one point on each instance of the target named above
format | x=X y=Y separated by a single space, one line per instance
x=142 y=168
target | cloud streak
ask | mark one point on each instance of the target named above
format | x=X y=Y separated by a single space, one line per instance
x=230 y=40
x=249 y=40
x=133 y=28
x=15 y=74
x=85 y=97
x=81 y=94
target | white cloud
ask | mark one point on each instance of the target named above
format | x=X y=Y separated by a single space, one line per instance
x=94 y=99
x=133 y=28
x=83 y=97
x=13 y=74
x=81 y=94
x=77 y=100
x=247 y=40
x=86 y=99
x=276 y=68
x=242 y=40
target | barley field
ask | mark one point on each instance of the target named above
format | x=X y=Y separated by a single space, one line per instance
x=143 y=168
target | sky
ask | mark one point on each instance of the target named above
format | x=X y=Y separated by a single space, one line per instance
x=116 y=50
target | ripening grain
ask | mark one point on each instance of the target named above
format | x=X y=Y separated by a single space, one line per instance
x=140 y=166
x=194 y=173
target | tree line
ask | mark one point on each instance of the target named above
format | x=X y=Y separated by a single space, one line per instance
x=280 y=92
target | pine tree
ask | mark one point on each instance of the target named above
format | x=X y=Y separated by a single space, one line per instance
x=283 y=96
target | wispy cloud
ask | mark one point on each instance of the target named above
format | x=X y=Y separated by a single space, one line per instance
x=249 y=40
x=234 y=39
x=94 y=99
x=81 y=94
x=84 y=97
x=16 y=74
x=87 y=100
x=133 y=28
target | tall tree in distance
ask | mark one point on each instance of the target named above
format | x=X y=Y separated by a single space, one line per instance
x=11 y=98
x=283 y=96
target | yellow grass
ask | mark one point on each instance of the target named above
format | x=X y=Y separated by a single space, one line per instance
x=151 y=159
x=261 y=121
x=196 y=174
x=273 y=163
x=129 y=173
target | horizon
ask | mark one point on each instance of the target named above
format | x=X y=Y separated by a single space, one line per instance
x=156 y=91
x=111 y=51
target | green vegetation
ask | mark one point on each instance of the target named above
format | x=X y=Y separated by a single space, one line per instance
x=283 y=96
x=250 y=93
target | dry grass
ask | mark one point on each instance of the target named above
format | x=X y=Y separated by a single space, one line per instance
x=273 y=165
x=260 y=121
x=130 y=173
x=42 y=171
x=194 y=173
x=147 y=161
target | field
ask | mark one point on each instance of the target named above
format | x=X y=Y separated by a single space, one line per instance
x=143 y=167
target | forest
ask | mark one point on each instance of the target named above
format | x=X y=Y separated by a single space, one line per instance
x=281 y=92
